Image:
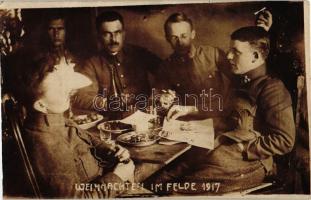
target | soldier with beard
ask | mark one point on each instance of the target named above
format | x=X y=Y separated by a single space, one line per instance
x=195 y=72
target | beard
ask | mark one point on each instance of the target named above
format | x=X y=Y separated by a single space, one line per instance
x=183 y=49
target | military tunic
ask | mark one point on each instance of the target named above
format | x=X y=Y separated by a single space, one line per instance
x=133 y=66
x=273 y=134
x=60 y=154
x=274 y=119
x=199 y=78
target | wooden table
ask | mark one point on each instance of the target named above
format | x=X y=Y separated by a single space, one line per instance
x=150 y=159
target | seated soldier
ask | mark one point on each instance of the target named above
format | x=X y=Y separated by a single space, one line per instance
x=245 y=159
x=63 y=156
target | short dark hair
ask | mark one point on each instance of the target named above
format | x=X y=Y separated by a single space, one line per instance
x=256 y=36
x=56 y=14
x=177 y=17
x=108 y=16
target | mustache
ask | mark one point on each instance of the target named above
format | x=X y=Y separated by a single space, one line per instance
x=181 y=46
x=113 y=43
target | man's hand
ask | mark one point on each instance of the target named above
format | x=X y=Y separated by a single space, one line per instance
x=125 y=171
x=264 y=20
x=167 y=98
x=245 y=120
x=178 y=111
x=245 y=135
x=122 y=154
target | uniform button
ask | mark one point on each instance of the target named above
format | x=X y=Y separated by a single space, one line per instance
x=122 y=76
x=178 y=84
x=118 y=64
x=246 y=79
x=210 y=76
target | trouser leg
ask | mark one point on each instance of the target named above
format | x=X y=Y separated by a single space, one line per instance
x=212 y=172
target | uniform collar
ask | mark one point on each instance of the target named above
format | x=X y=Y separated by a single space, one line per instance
x=113 y=59
x=38 y=120
x=253 y=74
x=193 y=51
x=58 y=53
x=57 y=50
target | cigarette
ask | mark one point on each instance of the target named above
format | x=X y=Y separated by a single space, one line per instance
x=257 y=12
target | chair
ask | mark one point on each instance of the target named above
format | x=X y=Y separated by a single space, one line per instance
x=18 y=176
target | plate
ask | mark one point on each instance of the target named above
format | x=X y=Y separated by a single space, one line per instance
x=87 y=121
x=138 y=139
x=115 y=127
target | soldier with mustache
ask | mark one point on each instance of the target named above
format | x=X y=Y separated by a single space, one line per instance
x=131 y=65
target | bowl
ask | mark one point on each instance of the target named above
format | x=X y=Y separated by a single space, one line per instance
x=115 y=127
x=87 y=121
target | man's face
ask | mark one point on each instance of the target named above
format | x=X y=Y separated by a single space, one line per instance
x=55 y=96
x=112 y=35
x=241 y=56
x=180 y=36
x=56 y=31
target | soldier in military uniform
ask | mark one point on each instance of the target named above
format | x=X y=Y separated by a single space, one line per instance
x=243 y=156
x=62 y=155
x=131 y=65
x=195 y=72
x=55 y=49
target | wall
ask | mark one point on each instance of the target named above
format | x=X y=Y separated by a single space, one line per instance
x=144 y=24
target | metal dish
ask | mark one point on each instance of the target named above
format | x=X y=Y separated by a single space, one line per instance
x=115 y=127
x=138 y=139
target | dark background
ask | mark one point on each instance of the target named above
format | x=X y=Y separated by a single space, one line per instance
x=144 y=24
x=213 y=22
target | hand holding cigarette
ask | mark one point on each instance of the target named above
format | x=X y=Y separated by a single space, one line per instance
x=263 y=18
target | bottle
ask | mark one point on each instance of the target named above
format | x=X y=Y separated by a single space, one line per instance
x=115 y=103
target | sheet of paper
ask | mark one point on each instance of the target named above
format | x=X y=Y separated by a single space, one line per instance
x=140 y=120
x=198 y=133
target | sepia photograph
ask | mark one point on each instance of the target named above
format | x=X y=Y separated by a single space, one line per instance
x=155 y=100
